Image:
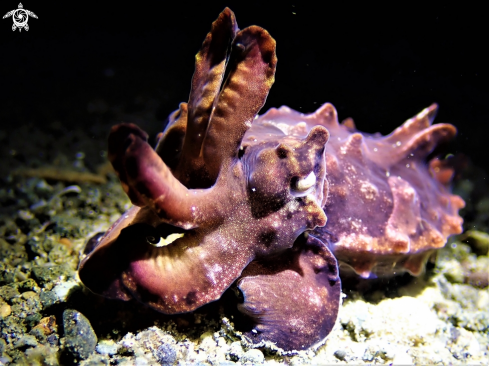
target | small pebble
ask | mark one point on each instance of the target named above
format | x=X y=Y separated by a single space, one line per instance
x=47 y=325
x=25 y=215
x=369 y=355
x=255 y=356
x=80 y=337
x=30 y=295
x=46 y=274
x=48 y=298
x=166 y=354
x=66 y=242
x=65 y=289
x=208 y=343
x=107 y=347
x=53 y=339
x=5 y=310
x=26 y=341
x=236 y=351
x=340 y=354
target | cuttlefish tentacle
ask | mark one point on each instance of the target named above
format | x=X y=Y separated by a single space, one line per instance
x=220 y=111
x=210 y=65
x=252 y=73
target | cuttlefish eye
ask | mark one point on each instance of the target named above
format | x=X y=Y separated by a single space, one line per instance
x=153 y=240
x=300 y=187
x=159 y=242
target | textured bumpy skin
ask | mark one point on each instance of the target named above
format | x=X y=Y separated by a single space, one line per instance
x=387 y=209
x=230 y=200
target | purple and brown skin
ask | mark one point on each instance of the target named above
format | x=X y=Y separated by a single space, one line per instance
x=222 y=207
x=225 y=199
x=388 y=210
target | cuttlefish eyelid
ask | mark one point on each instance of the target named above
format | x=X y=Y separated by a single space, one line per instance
x=303 y=186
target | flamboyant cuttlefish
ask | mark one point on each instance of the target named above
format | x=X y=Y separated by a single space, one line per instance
x=270 y=205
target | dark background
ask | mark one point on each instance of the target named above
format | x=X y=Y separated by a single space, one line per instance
x=379 y=65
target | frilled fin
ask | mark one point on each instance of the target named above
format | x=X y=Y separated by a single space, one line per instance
x=294 y=300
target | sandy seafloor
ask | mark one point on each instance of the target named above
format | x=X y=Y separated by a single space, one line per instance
x=48 y=318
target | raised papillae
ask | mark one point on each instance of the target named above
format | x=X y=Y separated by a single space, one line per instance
x=272 y=206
